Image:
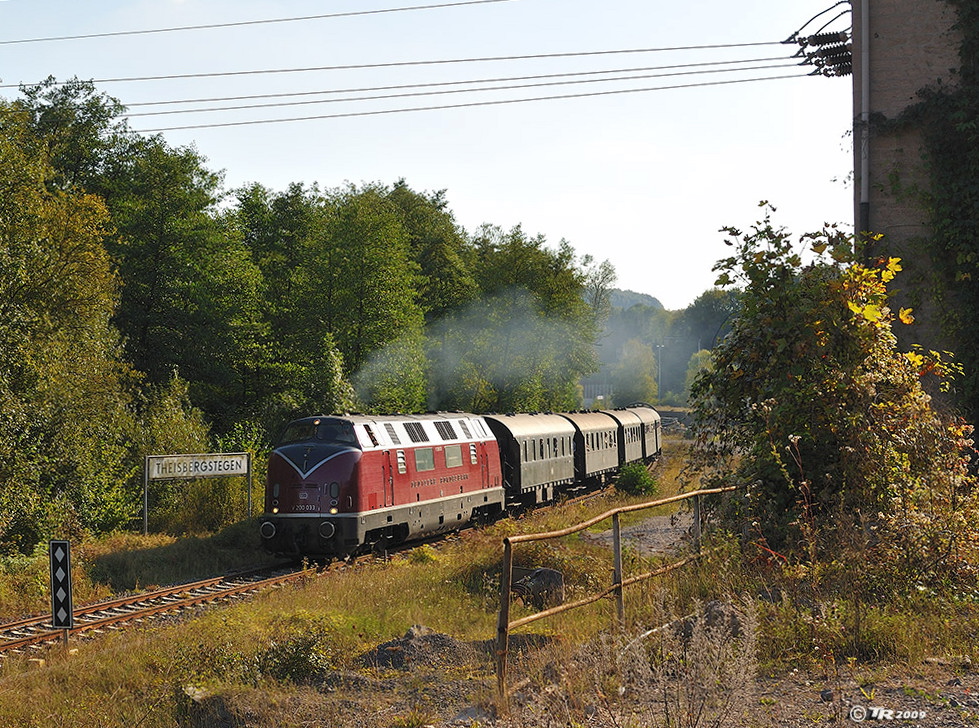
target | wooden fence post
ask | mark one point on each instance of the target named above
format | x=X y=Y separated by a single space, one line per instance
x=617 y=569
x=696 y=524
x=503 y=626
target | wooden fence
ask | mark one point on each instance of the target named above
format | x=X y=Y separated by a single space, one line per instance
x=504 y=625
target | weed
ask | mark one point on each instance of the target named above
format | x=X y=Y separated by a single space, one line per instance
x=423 y=554
x=415 y=718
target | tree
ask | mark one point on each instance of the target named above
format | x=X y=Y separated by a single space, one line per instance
x=599 y=279
x=192 y=297
x=438 y=246
x=65 y=419
x=634 y=377
x=524 y=345
x=707 y=320
x=809 y=404
x=359 y=284
x=294 y=369
x=81 y=129
x=183 y=267
x=697 y=364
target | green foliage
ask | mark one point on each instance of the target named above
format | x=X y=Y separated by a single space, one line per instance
x=674 y=336
x=139 y=315
x=526 y=342
x=65 y=420
x=809 y=404
x=698 y=363
x=297 y=367
x=359 y=281
x=393 y=379
x=634 y=377
x=439 y=248
x=635 y=479
x=298 y=659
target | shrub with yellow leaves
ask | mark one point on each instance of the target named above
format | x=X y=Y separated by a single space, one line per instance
x=811 y=407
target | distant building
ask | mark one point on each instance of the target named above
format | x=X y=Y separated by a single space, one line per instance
x=597 y=390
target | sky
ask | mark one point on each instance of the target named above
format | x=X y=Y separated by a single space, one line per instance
x=625 y=170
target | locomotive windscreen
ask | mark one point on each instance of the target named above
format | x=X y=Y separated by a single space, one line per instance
x=319 y=430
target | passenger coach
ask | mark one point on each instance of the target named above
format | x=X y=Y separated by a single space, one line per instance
x=537 y=454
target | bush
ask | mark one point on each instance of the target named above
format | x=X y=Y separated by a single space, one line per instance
x=634 y=479
x=809 y=404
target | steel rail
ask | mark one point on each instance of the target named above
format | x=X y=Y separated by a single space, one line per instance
x=141 y=606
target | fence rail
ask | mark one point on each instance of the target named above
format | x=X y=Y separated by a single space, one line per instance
x=504 y=625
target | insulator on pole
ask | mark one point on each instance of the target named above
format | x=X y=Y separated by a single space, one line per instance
x=837 y=51
x=822 y=39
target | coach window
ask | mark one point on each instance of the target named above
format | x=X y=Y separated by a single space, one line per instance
x=453 y=456
x=424 y=459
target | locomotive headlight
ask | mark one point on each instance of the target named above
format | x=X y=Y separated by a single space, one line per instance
x=333 y=511
x=275 y=510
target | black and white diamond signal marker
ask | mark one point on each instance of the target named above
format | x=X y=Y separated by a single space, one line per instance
x=61 y=607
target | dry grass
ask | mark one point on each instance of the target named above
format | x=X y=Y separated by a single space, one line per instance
x=126 y=562
x=301 y=655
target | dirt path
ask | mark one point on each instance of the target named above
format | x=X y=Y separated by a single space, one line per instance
x=653 y=535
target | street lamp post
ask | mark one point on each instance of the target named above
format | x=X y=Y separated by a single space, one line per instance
x=659 y=371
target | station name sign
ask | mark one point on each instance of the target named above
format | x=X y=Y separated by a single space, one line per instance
x=208 y=465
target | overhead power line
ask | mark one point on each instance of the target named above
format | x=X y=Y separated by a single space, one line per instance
x=465 y=105
x=792 y=38
x=212 y=26
x=399 y=64
x=498 y=79
x=413 y=94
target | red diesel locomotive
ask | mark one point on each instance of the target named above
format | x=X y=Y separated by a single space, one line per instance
x=338 y=483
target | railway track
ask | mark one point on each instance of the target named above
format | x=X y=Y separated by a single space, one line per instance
x=31 y=632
